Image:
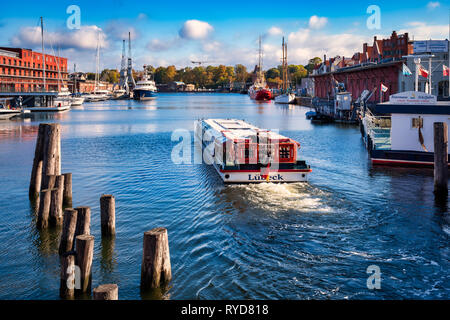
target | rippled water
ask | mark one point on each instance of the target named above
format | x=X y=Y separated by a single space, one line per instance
x=267 y=241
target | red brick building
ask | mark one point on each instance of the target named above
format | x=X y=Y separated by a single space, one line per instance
x=21 y=70
x=359 y=78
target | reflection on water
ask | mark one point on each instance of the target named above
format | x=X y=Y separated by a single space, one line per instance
x=266 y=241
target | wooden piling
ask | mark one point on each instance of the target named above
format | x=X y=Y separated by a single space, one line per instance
x=83 y=221
x=108 y=214
x=56 y=208
x=47 y=157
x=106 y=292
x=51 y=158
x=67 y=275
x=85 y=253
x=156 y=268
x=68 y=232
x=67 y=196
x=49 y=182
x=36 y=172
x=44 y=208
x=440 y=158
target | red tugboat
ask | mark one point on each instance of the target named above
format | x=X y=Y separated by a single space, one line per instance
x=259 y=90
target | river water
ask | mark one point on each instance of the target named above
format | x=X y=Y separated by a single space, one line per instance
x=270 y=241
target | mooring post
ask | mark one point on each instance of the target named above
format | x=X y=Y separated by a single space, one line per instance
x=156 y=269
x=68 y=231
x=36 y=171
x=106 y=292
x=85 y=253
x=108 y=214
x=440 y=158
x=83 y=221
x=51 y=149
x=68 y=275
x=56 y=206
x=49 y=182
x=44 y=208
x=67 y=196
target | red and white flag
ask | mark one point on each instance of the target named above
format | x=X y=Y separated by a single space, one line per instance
x=423 y=72
x=384 y=88
x=445 y=70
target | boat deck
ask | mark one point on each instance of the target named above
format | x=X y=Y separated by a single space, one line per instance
x=238 y=129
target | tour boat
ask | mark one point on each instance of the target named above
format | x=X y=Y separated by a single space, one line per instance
x=145 y=89
x=400 y=132
x=243 y=153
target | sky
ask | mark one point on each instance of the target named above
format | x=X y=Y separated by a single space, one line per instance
x=214 y=32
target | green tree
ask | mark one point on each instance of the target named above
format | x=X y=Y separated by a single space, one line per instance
x=312 y=63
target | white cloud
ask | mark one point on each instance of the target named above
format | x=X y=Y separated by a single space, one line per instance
x=275 y=31
x=83 y=39
x=142 y=16
x=118 y=30
x=316 y=22
x=163 y=45
x=306 y=43
x=195 y=30
x=433 y=5
x=423 y=31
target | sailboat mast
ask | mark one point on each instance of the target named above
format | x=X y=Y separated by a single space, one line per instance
x=260 y=58
x=75 y=75
x=43 y=52
x=97 y=62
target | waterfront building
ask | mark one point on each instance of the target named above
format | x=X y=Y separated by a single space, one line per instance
x=22 y=70
x=439 y=83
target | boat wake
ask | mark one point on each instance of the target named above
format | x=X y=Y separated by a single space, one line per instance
x=273 y=197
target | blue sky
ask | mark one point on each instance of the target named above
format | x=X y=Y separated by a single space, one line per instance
x=176 y=32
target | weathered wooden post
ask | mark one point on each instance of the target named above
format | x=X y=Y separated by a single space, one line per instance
x=85 y=253
x=36 y=172
x=155 y=270
x=56 y=206
x=44 y=208
x=440 y=158
x=51 y=149
x=108 y=214
x=68 y=276
x=47 y=158
x=68 y=231
x=49 y=182
x=67 y=196
x=106 y=292
x=83 y=221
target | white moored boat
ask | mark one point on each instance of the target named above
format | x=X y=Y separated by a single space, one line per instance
x=243 y=153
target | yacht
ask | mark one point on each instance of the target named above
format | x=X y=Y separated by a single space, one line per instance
x=145 y=89
x=286 y=96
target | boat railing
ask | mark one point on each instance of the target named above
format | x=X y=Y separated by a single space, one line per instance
x=379 y=130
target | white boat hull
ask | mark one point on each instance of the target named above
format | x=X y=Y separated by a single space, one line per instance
x=258 y=177
x=285 y=98
x=7 y=114
x=47 y=109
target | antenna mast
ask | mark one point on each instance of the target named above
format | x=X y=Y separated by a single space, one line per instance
x=43 y=52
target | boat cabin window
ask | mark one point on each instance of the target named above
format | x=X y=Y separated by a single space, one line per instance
x=417 y=122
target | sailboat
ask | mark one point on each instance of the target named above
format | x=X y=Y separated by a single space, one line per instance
x=77 y=99
x=98 y=94
x=259 y=90
x=286 y=96
x=46 y=101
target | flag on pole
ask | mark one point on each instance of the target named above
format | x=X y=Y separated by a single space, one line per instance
x=445 y=70
x=406 y=71
x=423 y=72
x=384 y=88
